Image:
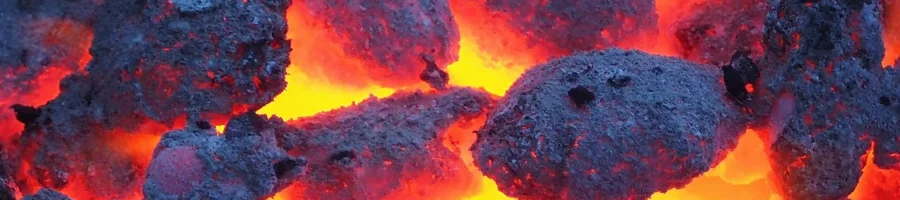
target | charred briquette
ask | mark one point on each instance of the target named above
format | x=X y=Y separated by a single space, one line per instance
x=25 y=114
x=734 y=83
x=581 y=95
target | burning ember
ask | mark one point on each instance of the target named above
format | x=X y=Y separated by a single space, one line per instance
x=450 y=99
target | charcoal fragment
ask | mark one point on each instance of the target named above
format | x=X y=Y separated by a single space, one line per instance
x=824 y=58
x=536 y=149
x=619 y=81
x=434 y=76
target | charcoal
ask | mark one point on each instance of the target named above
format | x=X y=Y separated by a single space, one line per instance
x=195 y=163
x=391 y=35
x=47 y=194
x=659 y=132
x=433 y=75
x=569 y=26
x=741 y=71
x=8 y=187
x=715 y=29
x=387 y=148
x=44 y=40
x=823 y=63
x=148 y=77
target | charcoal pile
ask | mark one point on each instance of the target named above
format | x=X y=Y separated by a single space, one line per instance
x=608 y=124
x=391 y=35
x=826 y=95
x=156 y=64
x=569 y=26
x=715 y=29
x=385 y=148
x=41 y=45
x=247 y=163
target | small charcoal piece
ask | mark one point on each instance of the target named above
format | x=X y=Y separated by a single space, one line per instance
x=197 y=164
x=536 y=147
x=434 y=76
x=735 y=84
x=826 y=56
x=581 y=95
x=740 y=72
x=385 y=148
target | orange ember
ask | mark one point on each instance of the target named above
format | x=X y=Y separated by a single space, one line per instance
x=891 y=32
x=742 y=175
x=876 y=183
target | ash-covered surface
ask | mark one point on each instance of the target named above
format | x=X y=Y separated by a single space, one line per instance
x=43 y=40
x=8 y=187
x=245 y=163
x=392 y=35
x=647 y=124
x=386 y=148
x=716 y=29
x=154 y=65
x=570 y=26
x=47 y=194
x=823 y=64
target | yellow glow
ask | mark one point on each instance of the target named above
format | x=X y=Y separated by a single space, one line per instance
x=743 y=175
x=306 y=95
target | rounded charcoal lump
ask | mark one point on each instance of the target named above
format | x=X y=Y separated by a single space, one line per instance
x=669 y=124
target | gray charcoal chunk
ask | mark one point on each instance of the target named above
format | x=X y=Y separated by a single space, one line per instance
x=374 y=149
x=195 y=163
x=151 y=72
x=824 y=59
x=658 y=133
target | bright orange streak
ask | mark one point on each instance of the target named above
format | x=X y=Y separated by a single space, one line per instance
x=743 y=175
x=321 y=77
x=891 y=32
x=876 y=183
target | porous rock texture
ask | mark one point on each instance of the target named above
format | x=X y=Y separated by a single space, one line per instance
x=245 y=163
x=47 y=194
x=716 y=29
x=44 y=40
x=572 y=25
x=388 y=148
x=153 y=67
x=8 y=188
x=823 y=64
x=654 y=123
x=392 y=35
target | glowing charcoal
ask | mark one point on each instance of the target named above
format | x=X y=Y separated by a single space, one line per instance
x=671 y=123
